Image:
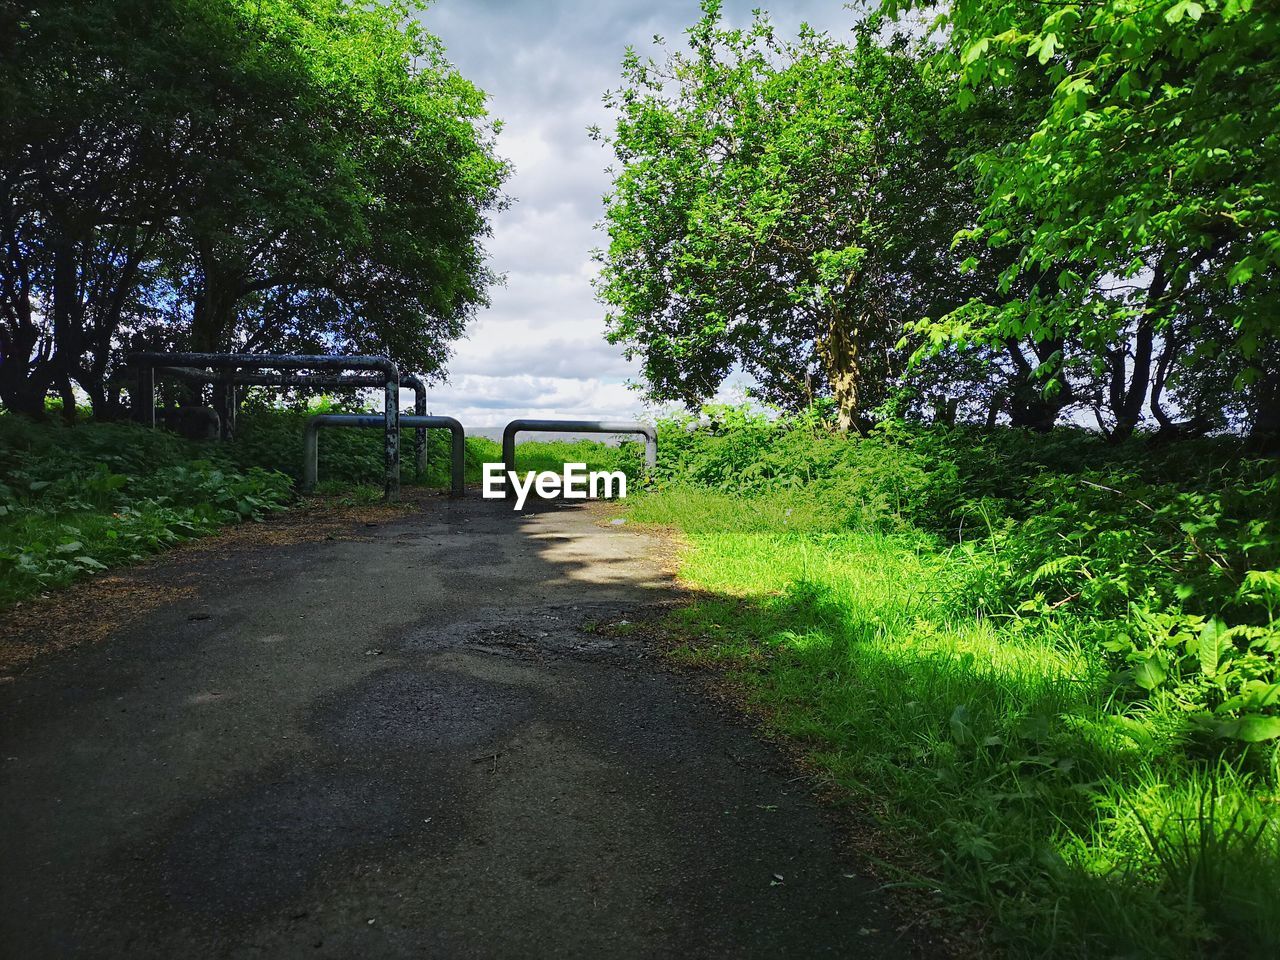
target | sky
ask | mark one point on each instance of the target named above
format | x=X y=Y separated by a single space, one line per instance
x=539 y=349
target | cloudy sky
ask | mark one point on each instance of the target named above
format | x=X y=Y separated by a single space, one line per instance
x=539 y=350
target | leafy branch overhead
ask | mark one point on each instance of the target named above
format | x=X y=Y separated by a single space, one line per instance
x=1019 y=213
x=1139 y=187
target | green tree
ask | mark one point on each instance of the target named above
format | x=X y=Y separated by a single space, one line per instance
x=85 y=178
x=778 y=205
x=1143 y=198
x=358 y=204
x=259 y=172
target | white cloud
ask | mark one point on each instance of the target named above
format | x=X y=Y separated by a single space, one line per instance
x=539 y=349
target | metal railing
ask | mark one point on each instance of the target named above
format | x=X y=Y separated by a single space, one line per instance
x=234 y=378
x=311 y=443
x=146 y=364
x=575 y=426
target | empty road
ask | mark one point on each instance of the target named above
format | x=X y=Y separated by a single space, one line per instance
x=433 y=737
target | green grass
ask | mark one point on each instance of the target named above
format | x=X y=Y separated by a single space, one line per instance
x=1063 y=819
x=551 y=455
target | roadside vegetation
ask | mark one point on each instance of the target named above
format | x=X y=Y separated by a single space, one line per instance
x=1044 y=658
x=77 y=499
x=1046 y=664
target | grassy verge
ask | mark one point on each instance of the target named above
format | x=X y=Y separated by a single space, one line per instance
x=77 y=500
x=1066 y=820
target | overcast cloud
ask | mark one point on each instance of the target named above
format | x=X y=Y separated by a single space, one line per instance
x=539 y=350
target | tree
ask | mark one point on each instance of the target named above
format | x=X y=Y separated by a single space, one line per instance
x=361 y=199
x=779 y=205
x=83 y=175
x=1146 y=190
x=260 y=172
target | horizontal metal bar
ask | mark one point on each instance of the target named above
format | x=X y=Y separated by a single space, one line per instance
x=311 y=442
x=283 y=379
x=146 y=362
x=576 y=426
x=265 y=361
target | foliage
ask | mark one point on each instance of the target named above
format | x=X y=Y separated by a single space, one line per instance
x=1162 y=562
x=780 y=206
x=1140 y=193
x=1047 y=663
x=258 y=174
x=76 y=500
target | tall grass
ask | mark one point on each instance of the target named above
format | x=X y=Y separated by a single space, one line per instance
x=1067 y=821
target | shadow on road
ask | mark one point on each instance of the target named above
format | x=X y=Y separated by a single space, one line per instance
x=410 y=742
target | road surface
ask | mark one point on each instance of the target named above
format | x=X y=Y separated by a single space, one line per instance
x=415 y=742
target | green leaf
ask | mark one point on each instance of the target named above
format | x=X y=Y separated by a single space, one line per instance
x=1150 y=673
x=1211 y=646
x=1252 y=728
x=1184 y=8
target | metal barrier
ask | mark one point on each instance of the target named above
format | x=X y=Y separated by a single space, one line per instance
x=311 y=442
x=146 y=364
x=575 y=426
x=233 y=379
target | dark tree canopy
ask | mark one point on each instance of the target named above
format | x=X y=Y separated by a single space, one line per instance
x=233 y=174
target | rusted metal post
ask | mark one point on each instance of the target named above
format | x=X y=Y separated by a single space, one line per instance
x=224 y=403
x=575 y=426
x=391 y=436
x=419 y=410
x=311 y=443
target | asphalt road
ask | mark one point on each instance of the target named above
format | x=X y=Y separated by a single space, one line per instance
x=414 y=743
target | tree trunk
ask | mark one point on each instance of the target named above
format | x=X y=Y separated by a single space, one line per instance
x=838 y=348
x=212 y=318
x=24 y=395
x=1029 y=408
x=1164 y=365
x=215 y=304
x=1264 y=432
x=68 y=320
x=1127 y=399
x=68 y=396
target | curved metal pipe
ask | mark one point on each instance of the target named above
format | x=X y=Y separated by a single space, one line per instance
x=577 y=426
x=311 y=381
x=311 y=443
x=145 y=363
x=415 y=383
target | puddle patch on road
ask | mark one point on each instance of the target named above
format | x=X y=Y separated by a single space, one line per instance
x=398 y=708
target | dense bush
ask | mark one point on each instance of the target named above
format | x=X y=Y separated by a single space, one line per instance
x=75 y=500
x=1045 y=664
